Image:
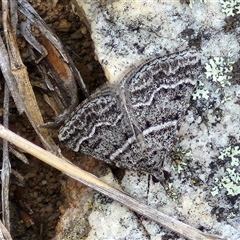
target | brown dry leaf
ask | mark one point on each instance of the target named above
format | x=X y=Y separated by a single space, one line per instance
x=55 y=65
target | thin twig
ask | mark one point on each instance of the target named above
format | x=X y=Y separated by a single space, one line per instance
x=18 y=155
x=6 y=167
x=26 y=9
x=5 y=235
x=95 y=183
x=14 y=14
x=7 y=74
x=22 y=82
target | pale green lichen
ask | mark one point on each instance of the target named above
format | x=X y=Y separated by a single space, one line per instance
x=219 y=69
x=200 y=93
x=232 y=215
x=230 y=7
x=191 y=2
x=235 y=176
x=231 y=181
x=230 y=185
x=215 y=191
x=232 y=153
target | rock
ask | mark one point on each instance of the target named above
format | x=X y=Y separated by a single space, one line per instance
x=203 y=188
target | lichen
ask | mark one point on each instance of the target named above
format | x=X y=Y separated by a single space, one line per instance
x=230 y=182
x=230 y=7
x=232 y=153
x=191 y=2
x=219 y=70
x=200 y=93
x=232 y=187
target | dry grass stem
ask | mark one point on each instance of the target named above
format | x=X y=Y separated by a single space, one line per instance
x=6 y=166
x=95 y=183
x=4 y=233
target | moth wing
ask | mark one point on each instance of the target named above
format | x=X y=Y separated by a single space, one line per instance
x=97 y=127
x=135 y=126
x=157 y=97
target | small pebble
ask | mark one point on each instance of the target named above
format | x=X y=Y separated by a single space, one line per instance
x=87 y=44
x=44 y=182
x=83 y=30
x=49 y=209
x=40 y=198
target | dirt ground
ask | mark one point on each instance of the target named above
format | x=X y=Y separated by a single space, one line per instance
x=38 y=196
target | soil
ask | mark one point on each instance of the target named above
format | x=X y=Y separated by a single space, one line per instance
x=38 y=193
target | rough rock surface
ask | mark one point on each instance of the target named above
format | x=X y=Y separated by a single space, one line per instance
x=204 y=185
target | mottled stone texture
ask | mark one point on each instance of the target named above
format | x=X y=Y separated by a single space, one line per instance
x=204 y=180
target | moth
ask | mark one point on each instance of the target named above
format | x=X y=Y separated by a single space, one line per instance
x=133 y=123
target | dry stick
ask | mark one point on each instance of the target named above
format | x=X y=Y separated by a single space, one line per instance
x=6 y=167
x=5 y=63
x=7 y=74
x=13 y=4
x=94 y=182
x=26 y=9
x=22 y=82
x=1 y=234
x=5 y=235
